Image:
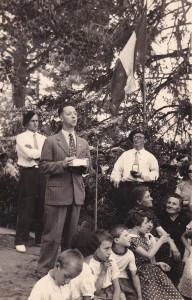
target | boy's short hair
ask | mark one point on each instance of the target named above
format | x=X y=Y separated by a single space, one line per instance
x=117 y=230
x=70 y=258
x=63 y=105
x=103 y=235
x=86 y=242
x=135 y=218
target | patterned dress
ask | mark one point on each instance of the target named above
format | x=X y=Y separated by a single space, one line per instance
x=155 y=285
x=185 y=285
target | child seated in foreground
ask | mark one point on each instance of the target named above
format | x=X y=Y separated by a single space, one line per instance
x=84 y=285
x=105 y=269
x=125 y=259
x=54 y=285
x=154 y=283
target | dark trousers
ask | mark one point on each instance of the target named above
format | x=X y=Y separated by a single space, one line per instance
x=30 y=205
x=60 y=225
x=123 y=201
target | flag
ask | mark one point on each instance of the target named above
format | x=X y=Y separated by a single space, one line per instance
x=123 y=80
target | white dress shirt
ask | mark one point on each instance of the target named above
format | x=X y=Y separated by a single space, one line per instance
x=26 y=152
x=46 y=289
x=66 y=135
x=82 y=285
x=111 y=273
x=148 y=166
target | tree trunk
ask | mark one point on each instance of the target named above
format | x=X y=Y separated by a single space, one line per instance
x=20 y=77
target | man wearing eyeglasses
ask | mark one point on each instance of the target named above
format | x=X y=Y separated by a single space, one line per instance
x=133 y=168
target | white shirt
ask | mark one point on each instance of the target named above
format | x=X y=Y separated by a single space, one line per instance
x=82 y=285
x=46 y=289
x=25 y=148
x=111 y=274
x=124 y=262
x=148 y=166
x=66 y=135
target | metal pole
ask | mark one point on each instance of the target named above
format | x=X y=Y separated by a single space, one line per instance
x=143 y=77
x=96 y=183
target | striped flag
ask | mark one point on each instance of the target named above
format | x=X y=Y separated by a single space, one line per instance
x=123 y=80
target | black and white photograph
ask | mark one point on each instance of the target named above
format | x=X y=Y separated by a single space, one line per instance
x=95 y=150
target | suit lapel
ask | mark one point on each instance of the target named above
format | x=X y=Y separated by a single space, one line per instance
x=62 y=142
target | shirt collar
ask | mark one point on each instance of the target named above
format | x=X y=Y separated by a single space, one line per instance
x=31 y=132
x=56 y=287
x=66 y=133
x=140 y=151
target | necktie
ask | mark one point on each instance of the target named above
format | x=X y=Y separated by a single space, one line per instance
x=72 y=148
x=136 y=161
x=35 y=141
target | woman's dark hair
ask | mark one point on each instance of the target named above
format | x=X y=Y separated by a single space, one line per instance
x=138 y=193
x=183 y=169
x=134 y=218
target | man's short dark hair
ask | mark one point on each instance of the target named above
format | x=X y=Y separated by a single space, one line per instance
x=63 y=105
x=27 y=116
x=135 y=131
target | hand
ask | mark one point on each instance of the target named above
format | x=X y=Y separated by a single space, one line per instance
x=135 y=174
x=28 y=146
x=165 y=267
x=116 y=183
x=68 y=161
x=164 y=238
x=107 y=264
x=176 y=254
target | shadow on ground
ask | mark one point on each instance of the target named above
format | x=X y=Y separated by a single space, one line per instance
x=17 y=270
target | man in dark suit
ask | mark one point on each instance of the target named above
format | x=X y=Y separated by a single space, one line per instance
x=65 y=191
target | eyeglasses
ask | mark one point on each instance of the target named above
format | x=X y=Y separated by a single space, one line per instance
x=189 y=171
x=138 y=137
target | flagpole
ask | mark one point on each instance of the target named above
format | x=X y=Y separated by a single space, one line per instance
x=96 y=184
x=143 y=67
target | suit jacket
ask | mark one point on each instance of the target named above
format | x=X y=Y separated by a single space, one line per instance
x=64 y=184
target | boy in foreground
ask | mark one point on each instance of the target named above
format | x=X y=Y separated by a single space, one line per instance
x=83 y=286
x=105 y=269
x=125 y=259
x=52 y=286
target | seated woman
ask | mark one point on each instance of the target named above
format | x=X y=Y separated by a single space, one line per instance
x=184 y=187
x=154 y=283
x=174 y=221
x=144 y=202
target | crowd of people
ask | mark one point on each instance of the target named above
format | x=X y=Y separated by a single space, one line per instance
x=144 y=255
